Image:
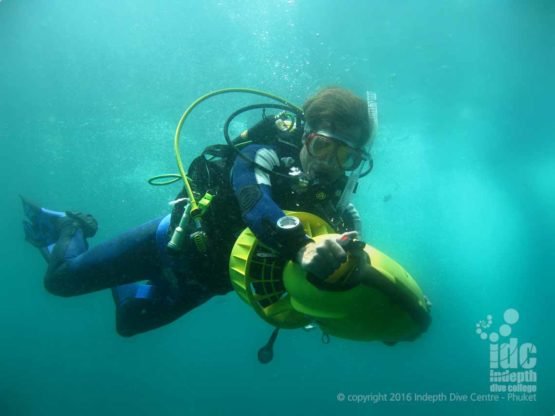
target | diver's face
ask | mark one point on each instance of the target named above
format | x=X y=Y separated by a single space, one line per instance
x=324 y=168
x=325 y=158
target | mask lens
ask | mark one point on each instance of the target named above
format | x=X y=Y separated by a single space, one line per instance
x=320 y=146
x=348 y=158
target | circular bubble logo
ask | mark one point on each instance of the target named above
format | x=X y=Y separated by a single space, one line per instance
x=510 y=317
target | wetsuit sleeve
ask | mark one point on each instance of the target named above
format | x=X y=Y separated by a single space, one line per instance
x=253 y=189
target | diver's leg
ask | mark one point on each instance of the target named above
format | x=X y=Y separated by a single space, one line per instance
x=143 y=307
x=130 y=257
x=133 y=256
x=72 y=270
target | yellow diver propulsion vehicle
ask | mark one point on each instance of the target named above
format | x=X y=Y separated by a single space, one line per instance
x=369 y=298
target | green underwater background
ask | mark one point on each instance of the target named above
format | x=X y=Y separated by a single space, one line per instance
x=462 y=195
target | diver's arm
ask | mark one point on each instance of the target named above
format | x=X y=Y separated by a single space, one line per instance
x=252 y=187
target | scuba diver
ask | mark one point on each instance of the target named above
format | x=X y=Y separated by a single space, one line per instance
x=299 y=164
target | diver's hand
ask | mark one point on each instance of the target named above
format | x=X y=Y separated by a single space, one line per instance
x=324 y=257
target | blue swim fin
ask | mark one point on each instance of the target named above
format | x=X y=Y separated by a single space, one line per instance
x=42 y=226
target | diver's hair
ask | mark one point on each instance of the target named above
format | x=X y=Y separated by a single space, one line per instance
x=342 y=109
